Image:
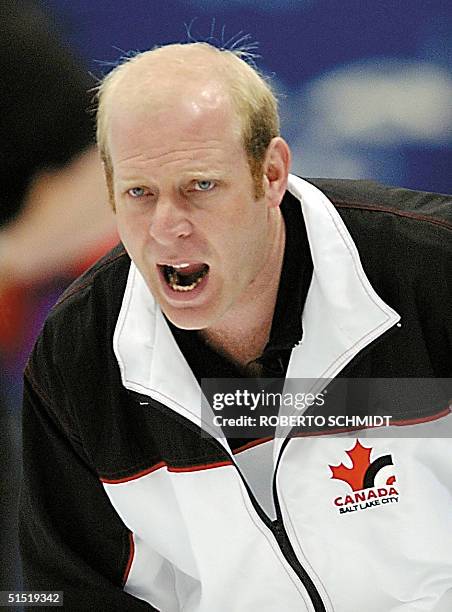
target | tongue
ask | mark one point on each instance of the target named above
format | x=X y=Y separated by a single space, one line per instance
x=195 y=269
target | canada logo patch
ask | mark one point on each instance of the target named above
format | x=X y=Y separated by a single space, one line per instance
x=361 y=480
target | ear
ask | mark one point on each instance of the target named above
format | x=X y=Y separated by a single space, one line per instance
x=276 y=170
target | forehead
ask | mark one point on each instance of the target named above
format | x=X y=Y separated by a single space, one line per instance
x=197 y=122
x=206 y=106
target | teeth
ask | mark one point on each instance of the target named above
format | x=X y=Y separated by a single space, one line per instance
x=173 y=278
x=178 y=266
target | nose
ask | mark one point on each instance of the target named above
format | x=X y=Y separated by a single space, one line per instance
x=169 y=222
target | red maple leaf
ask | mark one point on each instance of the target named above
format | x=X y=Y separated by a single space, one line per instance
x=354 y=476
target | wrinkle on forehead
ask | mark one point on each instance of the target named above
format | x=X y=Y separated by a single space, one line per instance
x=188 y=122
x=137 y=159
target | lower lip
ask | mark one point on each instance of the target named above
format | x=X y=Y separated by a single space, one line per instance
x=182 y=296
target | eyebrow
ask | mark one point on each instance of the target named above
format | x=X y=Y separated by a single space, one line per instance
x=192 y=175
x=205 y=174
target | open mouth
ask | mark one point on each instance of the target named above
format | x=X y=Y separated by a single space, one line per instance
x=184 y=277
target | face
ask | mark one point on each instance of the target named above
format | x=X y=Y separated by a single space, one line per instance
x=186 y=210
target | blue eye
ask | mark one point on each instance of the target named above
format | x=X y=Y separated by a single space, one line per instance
x=204 y=185
x=137 y=192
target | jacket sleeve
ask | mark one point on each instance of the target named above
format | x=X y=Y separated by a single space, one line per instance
x=71 y=538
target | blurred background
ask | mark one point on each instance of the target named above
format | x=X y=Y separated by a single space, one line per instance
x=365 y=91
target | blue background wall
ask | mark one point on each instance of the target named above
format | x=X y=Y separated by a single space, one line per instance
x=365 y=86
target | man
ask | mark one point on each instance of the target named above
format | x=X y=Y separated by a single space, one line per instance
x=132 y=500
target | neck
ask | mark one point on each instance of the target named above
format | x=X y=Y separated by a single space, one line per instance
x=242 y=334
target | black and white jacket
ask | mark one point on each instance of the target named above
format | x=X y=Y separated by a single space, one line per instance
x=126 y=506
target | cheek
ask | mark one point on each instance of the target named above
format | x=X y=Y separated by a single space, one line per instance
x=241 y=250
x=132 y=231
x=131 y=219
x=123 y=225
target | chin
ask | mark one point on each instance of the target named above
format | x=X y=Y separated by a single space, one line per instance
x=187 y=318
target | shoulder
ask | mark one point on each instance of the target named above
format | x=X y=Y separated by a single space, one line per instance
x=403 y=237
x=95 y=295
x=78 y=333
x=393 y=224
x=100 y=277
x=373 y=202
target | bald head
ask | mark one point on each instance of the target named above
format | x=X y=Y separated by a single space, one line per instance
x=189 y=78
x=159 y=78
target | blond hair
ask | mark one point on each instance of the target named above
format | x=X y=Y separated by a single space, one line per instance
x=252 y=97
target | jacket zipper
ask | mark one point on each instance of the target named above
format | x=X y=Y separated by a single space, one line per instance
x=286 y=547
x=282 y=539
